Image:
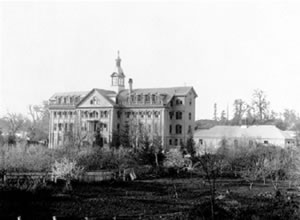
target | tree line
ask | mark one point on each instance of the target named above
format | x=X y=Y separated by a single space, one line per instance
x=256 y=112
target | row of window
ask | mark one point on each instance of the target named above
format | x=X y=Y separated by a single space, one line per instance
x=94 y=114
x=140 y=114
x=175 y=142
x=235 y=142
x=178 y=129
x=66 y=127
x=179 y=102
x=178 y=115
x=68 y=100
x=64 y=114
x=154 y=99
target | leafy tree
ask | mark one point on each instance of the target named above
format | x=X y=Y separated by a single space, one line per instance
x=223 y=118
x=116 y=139
x=189 y=146
x=215 y=112
x=125 y=139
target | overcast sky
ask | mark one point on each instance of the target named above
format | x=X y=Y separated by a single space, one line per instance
x=224 y=49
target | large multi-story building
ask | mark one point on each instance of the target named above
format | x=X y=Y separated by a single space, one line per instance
x=166 y=112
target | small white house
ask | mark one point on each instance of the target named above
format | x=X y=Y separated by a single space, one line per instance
x=265 y=134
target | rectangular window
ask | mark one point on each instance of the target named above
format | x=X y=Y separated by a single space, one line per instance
x=201 y=141
x=171 y=115
x=147 y=98
x=71 y=127
x=105 y=127
x=170 y=142
x=59 y=126
x=176 y=142
x=66 y=127
x=178 y=115
x=190 y=116
x=139 y=98
x=154 y=99
x=178 y=102
x=170 y=129
x=266 y=142
x=178 y=129
x=55 y=127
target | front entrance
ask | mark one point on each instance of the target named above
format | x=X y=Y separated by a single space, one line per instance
x=94 y=126
x=95 y=129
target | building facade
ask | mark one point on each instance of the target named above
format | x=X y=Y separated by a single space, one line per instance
x=213 y=138
x=165 y=112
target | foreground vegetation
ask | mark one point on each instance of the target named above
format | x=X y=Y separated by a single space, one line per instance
x=150 y=199
x=235 y=182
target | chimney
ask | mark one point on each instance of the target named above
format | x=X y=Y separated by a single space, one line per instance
x=130 y=85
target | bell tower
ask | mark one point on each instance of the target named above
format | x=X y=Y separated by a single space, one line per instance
x=118 y=77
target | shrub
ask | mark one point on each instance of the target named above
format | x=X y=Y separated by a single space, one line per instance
x=22 y=158
x=66 y=169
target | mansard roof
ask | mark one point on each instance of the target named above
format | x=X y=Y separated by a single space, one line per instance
x=69 y=94
x=166 y=93
x=172 y=91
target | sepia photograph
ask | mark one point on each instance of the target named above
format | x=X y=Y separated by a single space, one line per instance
x=174 y=110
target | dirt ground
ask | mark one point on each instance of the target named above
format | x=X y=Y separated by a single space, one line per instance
x=142 y=199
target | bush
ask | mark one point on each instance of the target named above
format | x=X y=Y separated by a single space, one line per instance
x=107 y=158
x=22 y=158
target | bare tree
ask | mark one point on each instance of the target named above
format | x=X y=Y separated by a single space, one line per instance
x=211 y=165
x=260 y=104
x=240 y=108
x=15 y=122
x=39 y=125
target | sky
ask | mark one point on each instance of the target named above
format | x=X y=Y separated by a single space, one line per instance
x=224 y=49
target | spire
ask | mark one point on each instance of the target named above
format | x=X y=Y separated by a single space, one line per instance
x=117 y=77
x=118 y=60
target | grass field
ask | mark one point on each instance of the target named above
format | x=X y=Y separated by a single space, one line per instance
x=143 y=199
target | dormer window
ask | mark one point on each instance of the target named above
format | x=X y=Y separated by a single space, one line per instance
x=139 y=98
x=153 y=98
x=147 y=98
x=178 y=102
